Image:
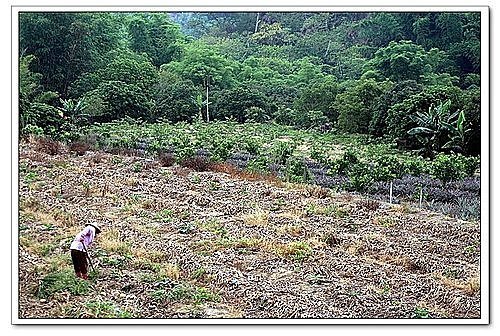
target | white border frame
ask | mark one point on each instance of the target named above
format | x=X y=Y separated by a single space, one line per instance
x=485 y=174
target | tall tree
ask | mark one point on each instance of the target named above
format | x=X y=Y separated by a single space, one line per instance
x=66 y=44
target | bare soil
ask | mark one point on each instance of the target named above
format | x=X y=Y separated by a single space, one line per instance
x=250 y=249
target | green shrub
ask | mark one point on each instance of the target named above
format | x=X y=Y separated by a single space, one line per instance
x=448 y=167
x=252 y=146
x=221 y=149
x=281 y=151
x=318 y=154
x=296 y=170
x=311 y=119
x=183 y=292
x=341 y=166
x=32 y=129
x=360 y=176
x=258 y=165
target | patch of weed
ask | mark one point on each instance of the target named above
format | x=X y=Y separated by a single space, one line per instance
x=298 y=251
x=164 y=215
x=62 y=281
x=420 y=313
x=213 y=225
x=105 y=309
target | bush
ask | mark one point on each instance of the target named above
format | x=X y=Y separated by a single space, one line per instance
x=311 y=119
x=296 y=171
x=196 y=163
x=399 y=120
x=175 y=99
x=281 y=151
x=252 y=146
x=258 y=165
x=121 y=99
x=166 y=159
x=286 y=116
x=240 y=102
x=448 y=167
x=341 y=166
x=360 y=177
x=79 y=147
x=33 y=130
x=256 y=114
x=48 y=146
x=220 y=148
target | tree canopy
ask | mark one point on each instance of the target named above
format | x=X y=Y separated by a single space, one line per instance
x=360 y=72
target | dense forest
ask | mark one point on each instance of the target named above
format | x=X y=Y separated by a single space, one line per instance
x=412 y=78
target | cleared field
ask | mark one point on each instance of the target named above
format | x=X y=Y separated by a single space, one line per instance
x=178 y=243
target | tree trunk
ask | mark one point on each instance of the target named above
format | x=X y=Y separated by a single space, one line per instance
x=257 y=22
x=208 y=116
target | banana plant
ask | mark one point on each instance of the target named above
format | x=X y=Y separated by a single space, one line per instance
x=434 y=126
x=74 y=111
x=458 y=136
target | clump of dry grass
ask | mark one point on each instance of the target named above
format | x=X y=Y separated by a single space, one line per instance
x=79 y=147
x=30 y=204
x=258 y=217
x=320 y=192
x=292 y=229
x=97 y=158
x=297 y=250
x=470 y=286
x=181 y=171
x=132 y=182
x=385 y=221
x=251 y=243
x=357 y=248
x=234 y=172
x=197 y=163
x=111 y=241
x=331 y=239
x=166 y=159
x=48 y=146
x=371 y=205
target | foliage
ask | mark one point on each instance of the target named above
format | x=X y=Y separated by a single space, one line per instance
x=236 y=104
x=379 y=73
x=435 y=125
x=120 y=100
x=157 y=36
x=400 y=116
x=406 y=60
x=449 y=167
x=399 y=92
x=355 y=105
x=319 y=96
x=62 y=281
x=176 y=98
x=105 y=309
x=296 y=170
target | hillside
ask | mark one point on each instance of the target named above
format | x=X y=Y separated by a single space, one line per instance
x=179 y=243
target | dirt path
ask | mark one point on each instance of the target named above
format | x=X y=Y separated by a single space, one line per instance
x=178 y=243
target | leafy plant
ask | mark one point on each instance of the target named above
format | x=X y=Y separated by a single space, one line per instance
x=281 y=151
x=435 y=126
x=296 y=171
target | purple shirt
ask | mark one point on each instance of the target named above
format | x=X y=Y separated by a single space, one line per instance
x=87 y=234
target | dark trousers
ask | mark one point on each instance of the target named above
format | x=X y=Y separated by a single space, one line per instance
x=79 y=259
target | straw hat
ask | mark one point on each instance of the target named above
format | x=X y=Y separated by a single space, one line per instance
x=96 y=227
